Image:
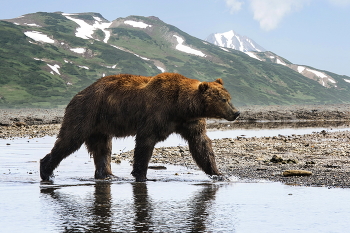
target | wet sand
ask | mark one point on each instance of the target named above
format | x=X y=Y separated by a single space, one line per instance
x=325 y=154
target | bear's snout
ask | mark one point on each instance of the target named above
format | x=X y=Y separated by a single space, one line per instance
x=236 y=115
x=233 y=116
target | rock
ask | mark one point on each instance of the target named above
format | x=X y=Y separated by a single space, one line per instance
x=20 y=124
x=296 y=173
x=157 y=167
x=310 y=162
x=292 y=161
x=276 y=159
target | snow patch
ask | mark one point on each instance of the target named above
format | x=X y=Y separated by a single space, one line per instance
x=347 y=80
x=331 y=80
x=187 y=49
x=55 y=68
x=38 y=36
x=241 y=47
x=222 y=37
x=323 y=77
x=78 y=50
x=97 y=19
x=86 y=30
x=117 y=47
x=317 y=73
x=278 y=61
x=84 y=67
x=252 y=44
x=161 y=69
x=32 y=25
x=144 y=58
x=224 y=49
x=301 y=69
x=252 y=55
x=137 y=24
x=111 y=67
x=38 y=59
x=125 y=50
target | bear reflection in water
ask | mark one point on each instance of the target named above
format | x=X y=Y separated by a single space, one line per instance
x=151 y=108
x=100 y=209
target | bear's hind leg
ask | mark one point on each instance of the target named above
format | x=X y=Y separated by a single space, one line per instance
x=100 y=147
x=142 y=155
x=64 y=146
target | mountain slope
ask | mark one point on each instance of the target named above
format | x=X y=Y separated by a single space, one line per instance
x=46 y=58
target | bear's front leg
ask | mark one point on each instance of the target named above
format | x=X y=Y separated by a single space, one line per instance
x=200 y=145
x=142 y=155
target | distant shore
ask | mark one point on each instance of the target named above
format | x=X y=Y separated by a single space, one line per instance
x=335 y=112
x=41 y=122
x=325 y=155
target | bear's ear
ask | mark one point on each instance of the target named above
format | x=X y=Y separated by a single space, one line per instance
x=219 y=80
x=203 y=86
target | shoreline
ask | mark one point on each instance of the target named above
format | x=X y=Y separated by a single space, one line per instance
x=325 y=154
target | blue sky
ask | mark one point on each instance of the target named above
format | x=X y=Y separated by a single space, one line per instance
x=305 y=32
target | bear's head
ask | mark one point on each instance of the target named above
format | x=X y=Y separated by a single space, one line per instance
x=217 y=101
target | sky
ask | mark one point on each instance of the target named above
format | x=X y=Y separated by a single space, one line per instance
x=315 y=33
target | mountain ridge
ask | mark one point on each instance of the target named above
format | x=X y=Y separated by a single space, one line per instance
x=46 y=58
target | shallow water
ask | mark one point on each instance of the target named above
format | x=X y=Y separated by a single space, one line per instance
x=180 y=200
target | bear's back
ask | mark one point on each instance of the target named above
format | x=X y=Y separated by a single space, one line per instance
x=163 y=81
x=124 y=81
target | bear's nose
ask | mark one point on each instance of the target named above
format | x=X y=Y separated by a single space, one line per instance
x=237 y=114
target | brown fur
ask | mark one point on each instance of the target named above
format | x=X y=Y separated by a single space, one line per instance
x=149 y=107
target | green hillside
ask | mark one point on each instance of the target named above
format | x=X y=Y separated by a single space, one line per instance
x=34 y=73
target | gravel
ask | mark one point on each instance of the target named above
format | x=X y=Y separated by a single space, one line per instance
x=326 y=155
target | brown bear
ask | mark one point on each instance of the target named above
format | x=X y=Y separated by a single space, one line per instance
x=151 y=108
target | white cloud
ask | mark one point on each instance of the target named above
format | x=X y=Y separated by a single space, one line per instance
x=270 y=13
x=340 y=2
x=234 y=5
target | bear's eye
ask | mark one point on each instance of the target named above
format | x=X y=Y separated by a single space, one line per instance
x=224 y=100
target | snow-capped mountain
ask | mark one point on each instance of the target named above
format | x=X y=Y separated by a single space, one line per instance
x=233 y=40
x=46 y=58
x=244 y=44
